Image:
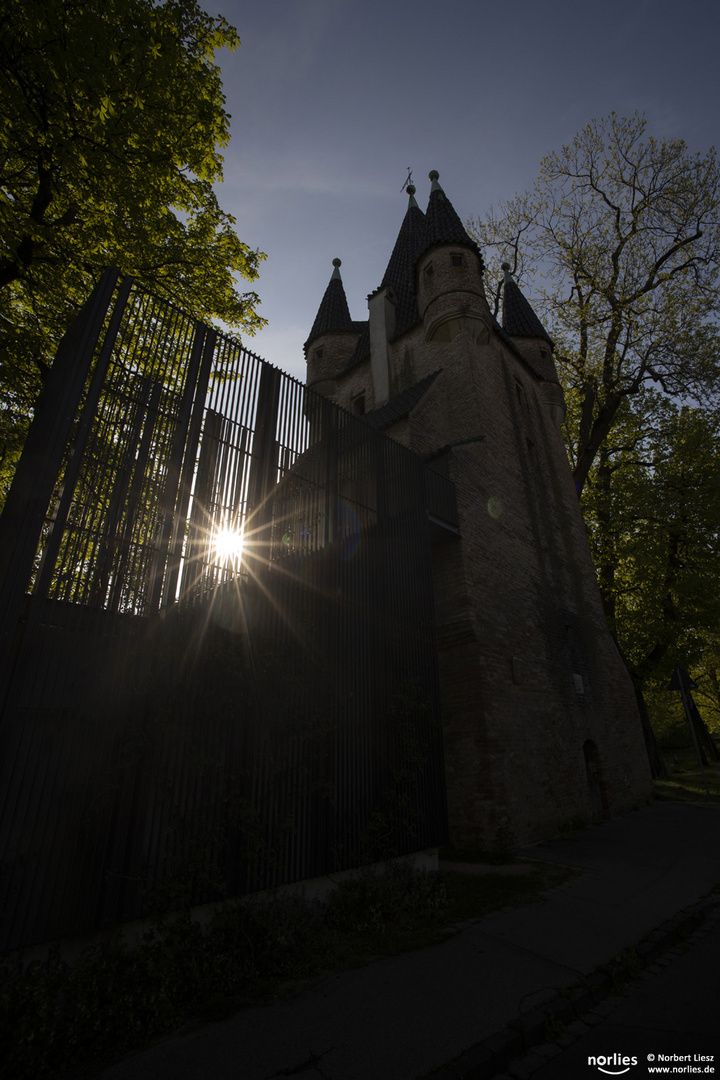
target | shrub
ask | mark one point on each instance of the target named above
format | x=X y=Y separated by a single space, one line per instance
x=55 y=1016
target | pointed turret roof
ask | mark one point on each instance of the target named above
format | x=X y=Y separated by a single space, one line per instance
x=442 y=224
x=333 y=314
x=400 y=272
x=519 y=319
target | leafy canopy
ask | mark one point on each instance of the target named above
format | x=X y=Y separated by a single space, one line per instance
x=653 y=516
x=652 y=507
x=624 y=230
x=111 y=123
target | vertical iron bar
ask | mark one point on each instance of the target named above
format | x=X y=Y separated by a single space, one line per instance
x=138 y=474
x=173 y=474
x=198 y=542
x=188 y=468
x=106 y=558
x=264 y=458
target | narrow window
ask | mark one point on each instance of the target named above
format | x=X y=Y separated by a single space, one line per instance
x=429 y=270
x=457 y=260
x=359 y=405
x=319 y=353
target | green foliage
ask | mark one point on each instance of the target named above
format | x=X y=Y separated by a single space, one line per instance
x=56 y=1015
x=110 y=132
x=653 y=512
x=686 y=781
x=375 y=902
x=705 y=674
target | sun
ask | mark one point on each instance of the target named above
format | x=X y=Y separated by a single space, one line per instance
x=228 y=545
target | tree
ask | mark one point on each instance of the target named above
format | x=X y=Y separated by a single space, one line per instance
x=110 y=129
x=654 y=527
x=652 y=508
x=625 y=231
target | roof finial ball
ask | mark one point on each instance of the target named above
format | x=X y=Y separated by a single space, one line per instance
x=411 y=189
x=435 y=186
x=337 y=262
x=433 y=175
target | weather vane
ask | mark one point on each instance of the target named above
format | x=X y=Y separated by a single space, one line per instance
x=408 y=180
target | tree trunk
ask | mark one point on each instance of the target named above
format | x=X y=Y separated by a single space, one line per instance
x=658 y=768
x=708 y=749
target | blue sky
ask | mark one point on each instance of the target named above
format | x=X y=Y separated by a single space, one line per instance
x=333 y=100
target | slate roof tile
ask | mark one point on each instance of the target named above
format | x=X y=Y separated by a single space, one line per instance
x=519 y=319
x=400 y=272
x=442 y=224
x=333 y=314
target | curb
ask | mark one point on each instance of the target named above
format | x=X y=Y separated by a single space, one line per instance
x=546 y=1023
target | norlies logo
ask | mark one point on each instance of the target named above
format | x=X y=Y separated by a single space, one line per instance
x=610 y=1063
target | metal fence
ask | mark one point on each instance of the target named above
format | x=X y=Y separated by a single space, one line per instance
x=216 y=631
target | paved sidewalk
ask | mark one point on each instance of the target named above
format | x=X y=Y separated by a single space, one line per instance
x=401 y=1017
x=664 y=1022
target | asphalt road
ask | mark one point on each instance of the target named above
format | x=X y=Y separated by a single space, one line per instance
x=668 y=1019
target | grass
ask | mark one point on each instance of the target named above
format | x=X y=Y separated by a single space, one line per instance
x=467 y=897
x=472 y=896
x=686 y=782
x=60 y=1020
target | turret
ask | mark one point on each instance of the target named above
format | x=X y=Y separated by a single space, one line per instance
x=449 y=269
x=393 y=306
x=332 y=339
x=532 y=340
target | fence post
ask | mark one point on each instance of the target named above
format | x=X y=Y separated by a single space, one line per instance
x=264 y=465
x=37 y=471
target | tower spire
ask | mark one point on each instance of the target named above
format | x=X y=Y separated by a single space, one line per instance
x=400 y=271
x=519 y=319
x=333 y=314
x=442 y=224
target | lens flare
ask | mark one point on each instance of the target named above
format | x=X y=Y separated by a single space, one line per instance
x=228 y=545
x=495 y=507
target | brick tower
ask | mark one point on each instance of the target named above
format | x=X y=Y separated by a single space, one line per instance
x=539 y=716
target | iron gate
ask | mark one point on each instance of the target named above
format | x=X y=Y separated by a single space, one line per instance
x=217 y=647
